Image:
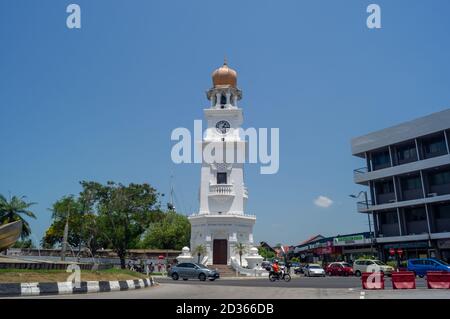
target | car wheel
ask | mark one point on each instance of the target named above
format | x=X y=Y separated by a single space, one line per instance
x=202 y=277
x=212 y=279
x=345 y=274
x=357 y=273
x=175 y=276
x=329 y=273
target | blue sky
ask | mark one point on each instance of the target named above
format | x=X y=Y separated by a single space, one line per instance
x=100 y=103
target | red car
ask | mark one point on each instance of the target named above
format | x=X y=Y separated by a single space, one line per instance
x=339 y=269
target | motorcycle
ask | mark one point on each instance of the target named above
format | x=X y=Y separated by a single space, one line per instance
x=277 y=276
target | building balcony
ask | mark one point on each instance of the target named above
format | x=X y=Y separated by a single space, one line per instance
x=362 y=176
x=431 y=198
x=221 y=190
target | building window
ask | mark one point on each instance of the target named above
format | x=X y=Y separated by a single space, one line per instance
x=411 y=183
x=223 y=99
x=415 y=214
x=221 y=178
x=381 y=160
x=434 y=146
x=442 y=212
x=440 y=178
x=388 y=218
x=385 y=187
x=406 y=154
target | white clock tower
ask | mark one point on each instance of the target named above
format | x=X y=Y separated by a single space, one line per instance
x=221 y=223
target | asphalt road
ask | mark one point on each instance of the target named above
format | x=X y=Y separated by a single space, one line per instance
x=296 y=282
x=297 y=288
x=193 y=290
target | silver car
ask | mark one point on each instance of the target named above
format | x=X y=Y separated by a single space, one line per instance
x=192 y=271
x=314 y=270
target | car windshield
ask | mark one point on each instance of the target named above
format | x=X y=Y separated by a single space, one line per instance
x=379 y=263
x=346 y=265
x=314 y=267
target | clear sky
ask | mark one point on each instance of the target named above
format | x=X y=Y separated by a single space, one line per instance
x=100 y=103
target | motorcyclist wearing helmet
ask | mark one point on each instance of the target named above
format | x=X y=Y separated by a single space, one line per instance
x=276 y=267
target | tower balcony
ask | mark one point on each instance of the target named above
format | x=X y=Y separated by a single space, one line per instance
x=221 y=190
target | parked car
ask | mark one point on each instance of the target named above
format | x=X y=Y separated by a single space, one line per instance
x=314 y=270
x=362 y=265
x=192 y=271
x=420 y=266
x=339 y=269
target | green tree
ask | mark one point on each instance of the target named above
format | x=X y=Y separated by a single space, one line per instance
x=123 y=212
x=66 y=209
x=200 y=250
x=172 y=232
x=265 y=253
x=240 y=249
x=12 y=210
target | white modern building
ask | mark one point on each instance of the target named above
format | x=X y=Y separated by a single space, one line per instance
x=221 y=222
x=407 y=173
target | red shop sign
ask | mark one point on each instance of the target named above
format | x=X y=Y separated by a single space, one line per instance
x=392 y=251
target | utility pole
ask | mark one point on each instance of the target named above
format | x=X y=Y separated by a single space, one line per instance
x=366 y=201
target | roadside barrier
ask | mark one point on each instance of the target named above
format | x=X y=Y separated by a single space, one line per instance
x=438 y=279
x=403 y=280
x=372 y=280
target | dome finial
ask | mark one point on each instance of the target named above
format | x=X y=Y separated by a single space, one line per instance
x=224 y=76
x=225 y=62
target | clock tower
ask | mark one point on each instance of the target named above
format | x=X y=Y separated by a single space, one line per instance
x=221 y=222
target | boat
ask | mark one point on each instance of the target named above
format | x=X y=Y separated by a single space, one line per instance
x=9 y=234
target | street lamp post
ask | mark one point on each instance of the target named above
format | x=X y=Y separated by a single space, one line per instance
x=65 y=235
x=366 y=201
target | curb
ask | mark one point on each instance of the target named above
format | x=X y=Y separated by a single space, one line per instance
x=68 y=288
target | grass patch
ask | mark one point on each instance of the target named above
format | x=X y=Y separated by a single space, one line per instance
x=45 y=275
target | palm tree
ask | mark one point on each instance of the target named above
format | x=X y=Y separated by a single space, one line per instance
x=200 y=250
x=240 y=249
x=11 y=211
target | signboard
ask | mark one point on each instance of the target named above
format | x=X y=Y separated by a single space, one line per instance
x=351 y=240
x=392 y=251
x=419 y=244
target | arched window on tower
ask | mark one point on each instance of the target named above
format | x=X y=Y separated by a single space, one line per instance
x=223 y=99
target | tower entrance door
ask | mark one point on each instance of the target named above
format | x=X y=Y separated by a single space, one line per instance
x=220 y=248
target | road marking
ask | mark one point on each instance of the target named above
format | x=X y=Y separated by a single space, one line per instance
x=363 y=295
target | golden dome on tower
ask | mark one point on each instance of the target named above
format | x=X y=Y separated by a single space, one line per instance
x=224 y=76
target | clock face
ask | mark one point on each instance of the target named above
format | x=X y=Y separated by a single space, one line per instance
x=223 y=127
